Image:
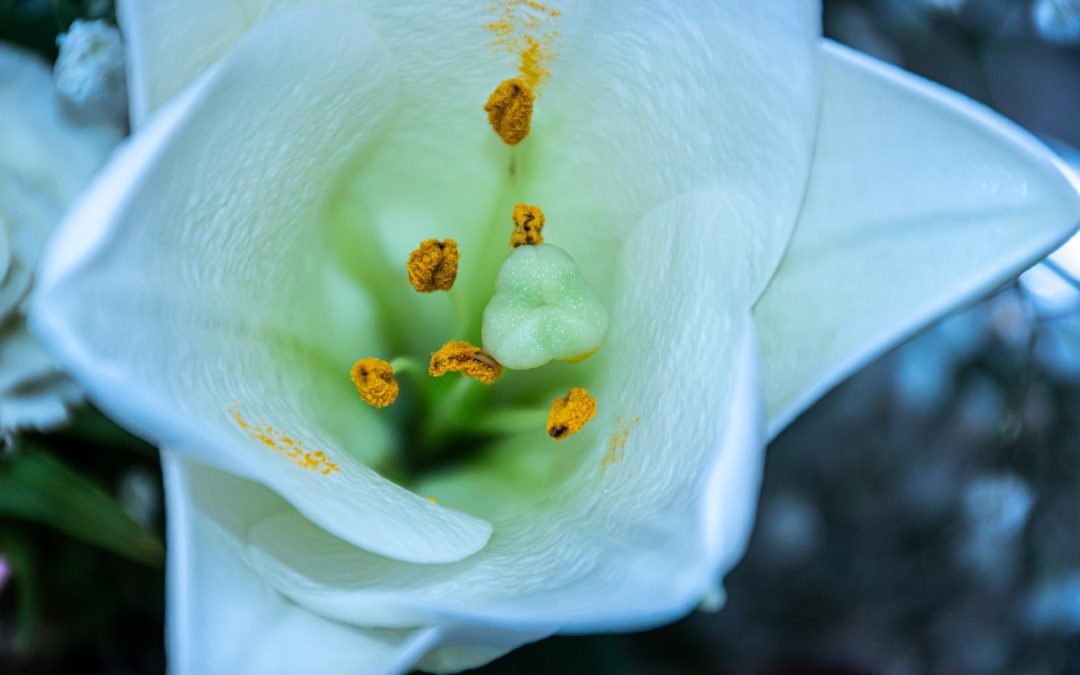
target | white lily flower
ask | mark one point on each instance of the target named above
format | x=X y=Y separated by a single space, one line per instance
x=744 y=198
x=45 y=159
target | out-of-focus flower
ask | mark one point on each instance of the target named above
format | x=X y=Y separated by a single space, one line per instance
x=731 y=187
x=46 y=156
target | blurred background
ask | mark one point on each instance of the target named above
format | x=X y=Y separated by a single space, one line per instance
x=922 y=518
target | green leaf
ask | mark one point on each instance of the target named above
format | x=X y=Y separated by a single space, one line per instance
x=36 y=486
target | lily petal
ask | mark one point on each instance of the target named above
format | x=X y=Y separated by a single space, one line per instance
x=222 y=618
x=168 y=44
x=919 y=199
x=657 y=99
x=206 y=233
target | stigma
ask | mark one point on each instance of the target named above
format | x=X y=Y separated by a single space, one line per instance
x=433 y=266
x=569 y=414
x=510 y=109
x=462 y=357
x=528 y=223
x=374 y=379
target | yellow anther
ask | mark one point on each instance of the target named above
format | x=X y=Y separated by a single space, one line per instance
x=510 y=109
x=568 y=415
x=528 y=223
x=467 y=359
x=374 y=379
x=433 y=265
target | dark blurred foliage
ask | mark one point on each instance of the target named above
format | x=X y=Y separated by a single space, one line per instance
x=922 y=518
x=36 y=23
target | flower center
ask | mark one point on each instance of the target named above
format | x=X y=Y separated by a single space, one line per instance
x=543 y=308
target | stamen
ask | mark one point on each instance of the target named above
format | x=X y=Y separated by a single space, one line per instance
x=528 y=223
x=374 y=379
x=569 y=414
x=434 y=265
x=467 y=359
x=510 y=109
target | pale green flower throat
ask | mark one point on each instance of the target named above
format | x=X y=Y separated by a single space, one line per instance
x=543 y=309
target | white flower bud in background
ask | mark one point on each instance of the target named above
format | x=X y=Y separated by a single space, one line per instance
x=89 y=72
x=47 y=154
x=1057 y=20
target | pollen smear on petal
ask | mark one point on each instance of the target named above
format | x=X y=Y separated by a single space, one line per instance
x=433 y=266
x=568 y=415
x=374 y=379
x=526 y=28
x=617 y=442
x=510 y=109
x=462 y=357
x=277 y=441
x=528 y=224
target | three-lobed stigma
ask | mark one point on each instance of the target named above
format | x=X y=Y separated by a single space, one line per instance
x=543 y=308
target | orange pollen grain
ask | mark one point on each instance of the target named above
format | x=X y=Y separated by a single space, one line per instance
x=510 y=109
x=528 y=223
x=462 y=357
x=568 y=415
x=433 y=266
x=374 y=379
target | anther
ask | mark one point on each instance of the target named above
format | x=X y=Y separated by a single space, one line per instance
x=569 y=414
x=374 y=379
x=433 y=266
x=467 y=359
x=510 y=109
x=528 y=223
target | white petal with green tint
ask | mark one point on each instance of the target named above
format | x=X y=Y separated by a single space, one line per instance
x=919 y=199
x=651 y=100
x=224 y=620
x=193 y=290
